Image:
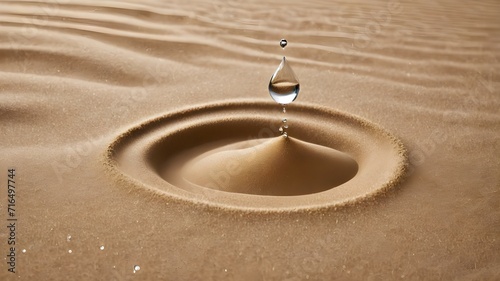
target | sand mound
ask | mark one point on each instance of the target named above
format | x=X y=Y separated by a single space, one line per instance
x=278 y=166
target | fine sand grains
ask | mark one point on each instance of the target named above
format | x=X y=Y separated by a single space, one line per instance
x=100 y=99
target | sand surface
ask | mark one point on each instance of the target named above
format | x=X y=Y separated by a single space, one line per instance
x=102 y=101
x=278 y=166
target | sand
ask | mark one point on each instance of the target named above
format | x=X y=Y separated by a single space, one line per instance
x=117 y=115
x=285 y=166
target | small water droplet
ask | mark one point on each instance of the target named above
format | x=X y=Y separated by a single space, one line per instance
x=24 y=250
x=284 y=127
x=70 y=251
x=284 y=86
x=136 y=268
x=68 y=238
x=102 y=248
x=283 y=43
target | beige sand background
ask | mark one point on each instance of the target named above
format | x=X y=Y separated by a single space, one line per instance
x=75 y=75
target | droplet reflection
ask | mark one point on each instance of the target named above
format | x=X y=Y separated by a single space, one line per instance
x=284 y=86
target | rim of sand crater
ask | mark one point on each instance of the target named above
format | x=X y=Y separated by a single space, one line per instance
x=373 y=178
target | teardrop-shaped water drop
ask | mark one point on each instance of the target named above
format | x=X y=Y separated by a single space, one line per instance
x=284 y=86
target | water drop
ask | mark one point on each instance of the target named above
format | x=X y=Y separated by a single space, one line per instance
x=24 y=250
x=284 y=86
x=284 y=125
x=70 y=251
x=102 y=248
x=283 y=43
x=136 y=268
x=68 y=238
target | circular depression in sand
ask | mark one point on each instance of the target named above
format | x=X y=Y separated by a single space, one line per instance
x=153 y=155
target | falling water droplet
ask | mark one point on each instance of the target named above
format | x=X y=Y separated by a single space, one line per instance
x=283 y=43
x=24 y=250
x=70 y=251
x=136 y=268
x=68 y=238
x=102 y=248
x=284 y=86
x=284 y=125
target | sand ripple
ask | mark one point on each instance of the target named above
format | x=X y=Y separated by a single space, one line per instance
x=344 y=40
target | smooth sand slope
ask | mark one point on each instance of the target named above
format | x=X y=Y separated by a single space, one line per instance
x=285 y=166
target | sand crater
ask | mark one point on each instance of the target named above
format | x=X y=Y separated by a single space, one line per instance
x=277 y=166
x=229 y=155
